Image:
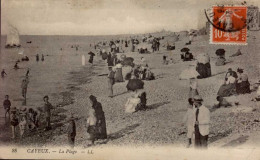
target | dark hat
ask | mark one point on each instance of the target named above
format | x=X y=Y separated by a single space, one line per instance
x=92 y=98
x=185 y=49
x=197 y=98
x=46 y=97
x=220 y=52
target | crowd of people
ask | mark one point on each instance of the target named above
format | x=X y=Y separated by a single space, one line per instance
x=197 y=117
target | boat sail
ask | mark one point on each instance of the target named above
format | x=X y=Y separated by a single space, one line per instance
x=13 y=39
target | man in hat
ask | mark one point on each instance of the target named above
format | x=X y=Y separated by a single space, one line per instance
x=201 y=123
x=47 y=112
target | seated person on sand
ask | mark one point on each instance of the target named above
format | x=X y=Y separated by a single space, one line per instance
x=16 y=66
x=221 y=61
x=149 y=75
x=221 y=57
x=243 y=85
x=257 y=98
x=229 y=86
x=186 y=55
x=222 y=102
x=238 y=53
x=136 y=102
x=170 y=47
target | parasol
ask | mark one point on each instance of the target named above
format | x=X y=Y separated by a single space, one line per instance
x=135 y=84
x=128 y=61
x=185 y=49
x=220 y=52
x=91 y=53
x=189 y=73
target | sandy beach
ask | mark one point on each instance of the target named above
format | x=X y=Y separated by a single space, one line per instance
x=69 y=84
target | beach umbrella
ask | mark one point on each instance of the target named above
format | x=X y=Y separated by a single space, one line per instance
x=135 y=84
x=128 y=61
x=91 y=53
x=220 y=52
x=189 y=73
x=185 y=49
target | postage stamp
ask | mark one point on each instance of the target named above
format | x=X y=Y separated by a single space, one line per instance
x=228 y=25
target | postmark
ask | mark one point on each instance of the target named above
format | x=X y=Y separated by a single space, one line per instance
x=228 y=24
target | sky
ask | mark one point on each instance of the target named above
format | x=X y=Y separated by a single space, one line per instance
x=105 y=17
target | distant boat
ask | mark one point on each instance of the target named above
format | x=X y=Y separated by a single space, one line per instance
x=13 y=39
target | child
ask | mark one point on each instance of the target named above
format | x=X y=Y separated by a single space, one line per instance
x=33 y=118
x=22 y=125
x=13 y=120
x=7 y=105
x=188 y=119
x=91 y=125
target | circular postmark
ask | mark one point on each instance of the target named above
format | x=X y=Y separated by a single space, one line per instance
x=227 y=18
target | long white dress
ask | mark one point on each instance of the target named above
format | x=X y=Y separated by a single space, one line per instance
x=83 y=59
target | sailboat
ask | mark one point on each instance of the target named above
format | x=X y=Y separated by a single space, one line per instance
x=13 y=39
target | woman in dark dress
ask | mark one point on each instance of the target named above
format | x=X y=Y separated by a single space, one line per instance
x=91 y=59
x=202 y=70
x=101 y=120
x=243 y=85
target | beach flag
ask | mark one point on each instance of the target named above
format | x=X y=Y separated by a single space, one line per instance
x=83 y=59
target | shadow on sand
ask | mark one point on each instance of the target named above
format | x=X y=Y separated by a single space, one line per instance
x=121 y=133
x=157 y=105
x=121 y=93
x=218 y=136
x=236 y=142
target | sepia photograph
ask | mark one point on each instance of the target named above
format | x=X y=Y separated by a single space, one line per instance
x=130 y=79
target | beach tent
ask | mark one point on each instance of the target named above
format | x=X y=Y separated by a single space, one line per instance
x=13 y=39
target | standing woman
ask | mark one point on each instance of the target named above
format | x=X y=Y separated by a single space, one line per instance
x=193 y=88
x=118 y=73
x=91 y=58
x=101 y=120
x=111 y=81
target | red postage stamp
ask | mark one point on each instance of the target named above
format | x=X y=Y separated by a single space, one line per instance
x=228 y=25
